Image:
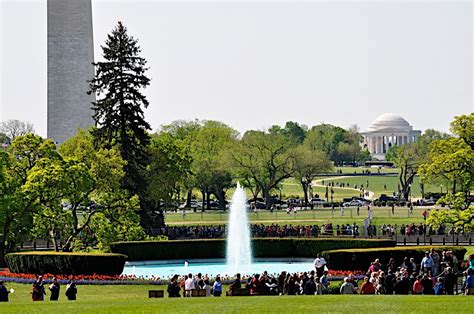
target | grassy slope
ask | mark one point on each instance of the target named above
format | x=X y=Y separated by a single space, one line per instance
x=133 y=299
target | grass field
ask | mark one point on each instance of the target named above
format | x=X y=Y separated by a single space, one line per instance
x=133 y=299
x=318 y=216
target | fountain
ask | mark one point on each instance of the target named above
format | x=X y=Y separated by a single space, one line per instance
x=239 y=251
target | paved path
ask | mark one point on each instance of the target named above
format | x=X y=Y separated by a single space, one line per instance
x=319 y=184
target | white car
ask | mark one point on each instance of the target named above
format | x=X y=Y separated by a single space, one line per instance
x=355 y=203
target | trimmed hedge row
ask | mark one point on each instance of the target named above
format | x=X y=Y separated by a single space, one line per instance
x=360 y=259
x=215 y=248
x=59 y=263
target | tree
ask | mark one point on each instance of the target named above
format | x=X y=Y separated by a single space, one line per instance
x=463 y=126
x=212 y=175
x=16 y=210
x=93 y=182
x=169 y=168
x=408 y=158
x=118 y=112
x=459 y=214
x=451 y=159
x=307 y=164
x=15 y=128
x=264 y=158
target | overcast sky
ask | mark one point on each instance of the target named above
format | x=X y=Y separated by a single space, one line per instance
x=253 y=64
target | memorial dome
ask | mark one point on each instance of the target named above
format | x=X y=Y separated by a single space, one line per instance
x=389 y=120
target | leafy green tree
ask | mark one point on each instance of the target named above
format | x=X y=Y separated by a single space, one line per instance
x=265 y=158
x=118 y=111
x=170 y=166
x=463 y=126
x=451 y=159
x=307 y=164
x=295 y=132
x=212 y=175
x=16 y=210
x=459 y=214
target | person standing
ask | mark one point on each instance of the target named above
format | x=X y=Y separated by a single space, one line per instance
x=4 y=292
x=71 y=290
x=319 y=265
x=38 y=289
x=189 y=286
x=54 y=287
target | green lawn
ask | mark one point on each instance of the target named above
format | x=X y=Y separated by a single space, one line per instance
x=380 y=215
x=133 y=299
x=377 y=184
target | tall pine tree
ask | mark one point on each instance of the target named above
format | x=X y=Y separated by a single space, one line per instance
x=118 y=111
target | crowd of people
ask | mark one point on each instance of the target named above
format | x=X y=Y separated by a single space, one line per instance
x=38 y=292
x=305 y=231
x=435 y=274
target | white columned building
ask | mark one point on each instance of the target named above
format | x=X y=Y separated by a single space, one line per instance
x=386 y=131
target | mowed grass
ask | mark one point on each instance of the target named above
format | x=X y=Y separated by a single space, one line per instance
x=134 y=299
x=318 y=216
x=385 y=184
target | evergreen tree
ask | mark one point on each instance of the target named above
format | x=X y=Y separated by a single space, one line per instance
x=118 y=111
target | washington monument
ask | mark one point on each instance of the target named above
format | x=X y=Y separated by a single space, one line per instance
x=70 y=57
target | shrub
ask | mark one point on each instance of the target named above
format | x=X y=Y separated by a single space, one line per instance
x=215 y=248
x=66 y=263
x=360 y=259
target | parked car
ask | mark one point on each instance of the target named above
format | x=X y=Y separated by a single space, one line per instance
x=194 y=205
x=427 y=202
x=318 y=201
x=258 y=205
x=386 y=198
x=355 y=203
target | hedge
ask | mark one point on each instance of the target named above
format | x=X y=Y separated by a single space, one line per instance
x=215 y=248
x=59 y=263
x=360 y=259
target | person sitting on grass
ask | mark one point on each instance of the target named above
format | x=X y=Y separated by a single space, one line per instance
x=236 y=285
x=173 y=288
x=347 y=287
x=439 y=287
x=417 y=286
x=217 y=287
x=367 y=287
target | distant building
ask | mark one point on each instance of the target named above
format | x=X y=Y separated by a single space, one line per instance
x=386 y=131
x=70 y=57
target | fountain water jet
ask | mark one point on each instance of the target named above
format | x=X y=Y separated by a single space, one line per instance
x=239 y=251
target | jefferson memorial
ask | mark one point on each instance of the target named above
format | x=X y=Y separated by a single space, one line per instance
x=386 y=131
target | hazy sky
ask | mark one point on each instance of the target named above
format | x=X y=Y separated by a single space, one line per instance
x=252 y=64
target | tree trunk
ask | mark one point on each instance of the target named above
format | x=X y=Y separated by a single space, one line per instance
x=208 y=200
x=304 y=185
x=266 y=195
x=220 y=194
x=203 y=199
x=3 y=247
x=189 y=197
x=53 y=238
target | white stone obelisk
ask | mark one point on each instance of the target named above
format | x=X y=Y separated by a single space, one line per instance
x=70 y=57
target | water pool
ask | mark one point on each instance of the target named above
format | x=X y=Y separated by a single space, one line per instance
x=166 y=269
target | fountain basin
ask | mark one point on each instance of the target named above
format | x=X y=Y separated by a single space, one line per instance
x=213 y=267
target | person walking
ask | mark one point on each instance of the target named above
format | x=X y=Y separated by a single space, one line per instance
x=54 y=287
x=71 y=290
x=38 y=289
x=4 y=292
